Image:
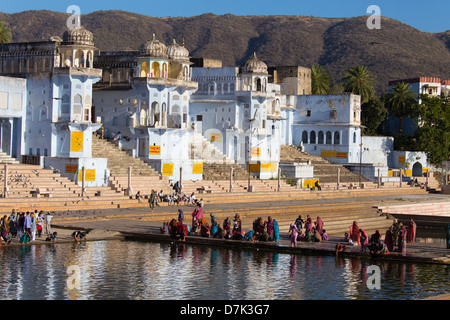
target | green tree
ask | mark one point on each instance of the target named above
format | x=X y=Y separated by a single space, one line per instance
x=373 y=113
x=320 y=80
x=433 y=134
x=5 y=33
x=401 y=102
x=360 y=80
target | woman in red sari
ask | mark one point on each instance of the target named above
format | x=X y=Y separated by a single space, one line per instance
x=412 y=227
x=388 y=241
x=354 y=232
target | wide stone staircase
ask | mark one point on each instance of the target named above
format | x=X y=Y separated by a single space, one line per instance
x=201 y=149
x=325 y=171
x=119 y=161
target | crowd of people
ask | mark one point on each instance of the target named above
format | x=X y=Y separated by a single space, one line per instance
x=155 y=199
x=395 y=239
x=26 y=226
x=308 y=230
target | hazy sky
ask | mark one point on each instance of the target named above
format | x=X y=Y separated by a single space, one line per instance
x=429 y=16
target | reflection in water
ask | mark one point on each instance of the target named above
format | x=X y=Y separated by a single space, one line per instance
x=151 y=271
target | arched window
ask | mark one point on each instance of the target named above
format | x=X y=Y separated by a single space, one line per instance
x=65 y=108
x=144 y=69
x=156 y=73
x=258 y=84
x=320 y=137
x=354 y=137
x=337 y=137
x=312 y=137
x=43 y=113
x=164 y=70
x=305 y=137
x=77 y=107
x=143 y=119
x=164 y=114
x=329 y=137
x=87 y=108
x=154 y=114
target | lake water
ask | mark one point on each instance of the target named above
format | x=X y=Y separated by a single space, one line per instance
x=128 y=270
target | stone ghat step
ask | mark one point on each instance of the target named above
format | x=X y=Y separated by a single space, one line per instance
x=248 y=217
x=431 y=208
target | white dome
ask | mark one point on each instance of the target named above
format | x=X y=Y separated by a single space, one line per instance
x=154 y=48
x=177 y=52
x=254 y=65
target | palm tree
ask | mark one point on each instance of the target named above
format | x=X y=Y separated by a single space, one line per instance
x=401 y=101
x=320 y=80
x=359 y=80
x=5 y=33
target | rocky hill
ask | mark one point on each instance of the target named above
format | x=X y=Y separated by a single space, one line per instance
x=396 y=51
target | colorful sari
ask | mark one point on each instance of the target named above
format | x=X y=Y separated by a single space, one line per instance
x=354 y=233
x=412 y=227
x=364 y=239
x=388 y=240
x=319 y=225
x=294 y=234
x=270 y=228
x=276 y=231
x=309 y=235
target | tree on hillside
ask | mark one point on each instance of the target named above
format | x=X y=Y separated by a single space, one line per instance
x=401 y=102
x=320 y=80
x=360 y=80
x=5 y=33
x=433 y=134
x=373 y=113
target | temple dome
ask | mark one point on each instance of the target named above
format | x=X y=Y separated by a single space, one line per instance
x=154 y=48
x=177 y=52
x=78 y=36
x=254 y=65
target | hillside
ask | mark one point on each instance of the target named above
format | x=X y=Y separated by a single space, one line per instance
x=396 y=51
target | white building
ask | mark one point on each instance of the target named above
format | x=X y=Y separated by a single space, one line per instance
x=58 y=126
x=145 y=96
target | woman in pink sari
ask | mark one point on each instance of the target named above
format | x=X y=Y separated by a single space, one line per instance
x=354 y=232
x=319 y=225
x=364 y=239
x=412 y=227
x=293 y=231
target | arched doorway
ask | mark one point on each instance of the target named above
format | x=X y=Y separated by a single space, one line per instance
x=417 y=170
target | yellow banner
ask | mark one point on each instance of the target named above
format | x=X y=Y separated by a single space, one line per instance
x=167 y=169
x=155 y=150
x=328 y=154
x=76 y=141
x=273 y=167
x=265 y=167
x=216 y=137
x=256 y=152
x=71 y=168
x=197 y=168
x=401 y=159
x=89 y=176
x=309 y=183
x=342 y=155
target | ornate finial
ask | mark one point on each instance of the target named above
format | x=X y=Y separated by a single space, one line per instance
x=154 y=37
x=183 y=42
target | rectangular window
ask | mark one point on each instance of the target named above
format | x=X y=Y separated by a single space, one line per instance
x=30 y=151
x=308 y=113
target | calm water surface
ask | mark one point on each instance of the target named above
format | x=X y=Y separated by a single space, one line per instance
x=152 y=271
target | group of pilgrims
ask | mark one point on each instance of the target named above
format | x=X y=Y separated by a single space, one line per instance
x=395 y=239
x=228 y=230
